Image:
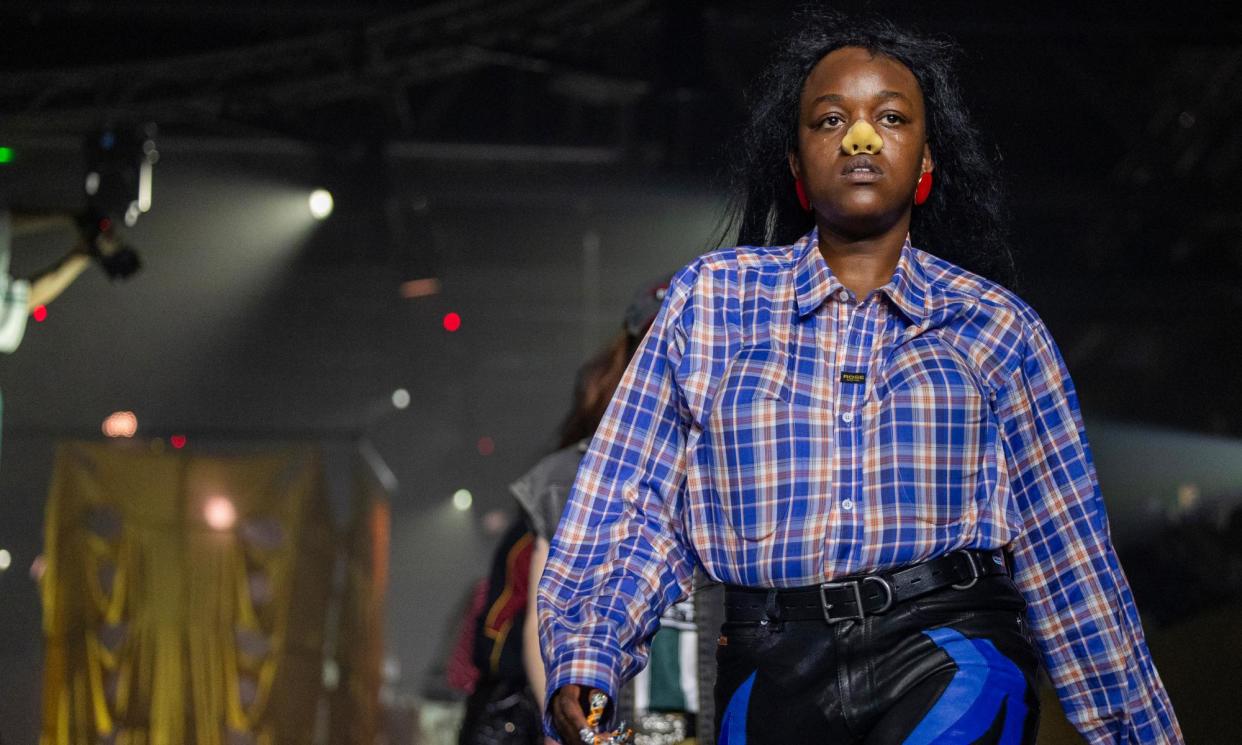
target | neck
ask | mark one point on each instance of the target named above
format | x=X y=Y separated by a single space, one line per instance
x=863 y=263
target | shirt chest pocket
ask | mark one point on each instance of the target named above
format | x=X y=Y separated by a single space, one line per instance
x=926 y=450
x=752 y=436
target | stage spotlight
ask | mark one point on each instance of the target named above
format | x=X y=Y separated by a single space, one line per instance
x=6 y=560
x=39 y=313
x=220 y=513
x=451 y=322
x=401 y=398
x=320 y=204
x=462 y=499
x=121 y=424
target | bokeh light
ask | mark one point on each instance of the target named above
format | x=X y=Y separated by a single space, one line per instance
x=452 y=322
x=420 y=288
x=220 y=513
x=486 y=445
x=6 y=560
x=121 y=424
x=401 y=398
x=462 y=499
x=39 y=313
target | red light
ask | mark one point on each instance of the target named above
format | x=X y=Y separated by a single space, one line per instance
x=486 y=446
x=178 y=441
x=104 y=225
x=40 y=313
x=452 y=322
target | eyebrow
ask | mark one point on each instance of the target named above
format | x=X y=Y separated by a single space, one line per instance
x=838 y=98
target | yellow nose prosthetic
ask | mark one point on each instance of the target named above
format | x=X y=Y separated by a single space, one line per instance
x=862 y=138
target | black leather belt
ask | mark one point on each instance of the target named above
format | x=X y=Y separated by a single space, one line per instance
x=855 y=598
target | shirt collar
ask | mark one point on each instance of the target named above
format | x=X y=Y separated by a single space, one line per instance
x=814 y=282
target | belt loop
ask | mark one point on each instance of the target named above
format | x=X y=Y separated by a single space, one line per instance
x=771 y=608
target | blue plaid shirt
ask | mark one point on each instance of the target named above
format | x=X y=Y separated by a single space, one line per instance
x=780 y=432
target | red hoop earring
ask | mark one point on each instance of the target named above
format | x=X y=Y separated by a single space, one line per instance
x=801 y=191
x=924 y=188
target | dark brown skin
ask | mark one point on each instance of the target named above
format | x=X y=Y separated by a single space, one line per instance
x=568 y=711
x=862 y=226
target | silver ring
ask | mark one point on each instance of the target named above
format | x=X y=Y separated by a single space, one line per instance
x=588 y=735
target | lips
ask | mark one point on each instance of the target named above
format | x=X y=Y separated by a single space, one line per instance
x=861 y=169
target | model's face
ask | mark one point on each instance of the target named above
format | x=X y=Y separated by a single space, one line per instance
x=862 y=142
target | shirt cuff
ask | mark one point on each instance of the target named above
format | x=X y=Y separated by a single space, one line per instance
x=592 y=668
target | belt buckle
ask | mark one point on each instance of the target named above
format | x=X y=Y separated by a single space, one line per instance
x=856 y=586
x=976 y=571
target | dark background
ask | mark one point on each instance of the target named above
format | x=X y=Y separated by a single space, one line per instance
x=542 y=160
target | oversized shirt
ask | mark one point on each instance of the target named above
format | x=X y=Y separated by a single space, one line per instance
x=780 y=432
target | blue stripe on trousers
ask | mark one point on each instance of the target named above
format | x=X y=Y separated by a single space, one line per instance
x=733 y=723
x=985 y=681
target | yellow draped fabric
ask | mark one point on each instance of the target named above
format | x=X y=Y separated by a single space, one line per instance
x=360 y=639
x=163 y=630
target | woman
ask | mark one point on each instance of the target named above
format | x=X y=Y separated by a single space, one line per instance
x=879 y=452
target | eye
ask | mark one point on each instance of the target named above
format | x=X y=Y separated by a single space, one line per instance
x=832 y=120
x=892 y=118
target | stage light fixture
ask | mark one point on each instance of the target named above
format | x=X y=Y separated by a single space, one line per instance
x=401 y=398
x=220 y=513
x=321 y=204
x=462 y=499
x=452 y=322
x=39 y=313
x=6 y=560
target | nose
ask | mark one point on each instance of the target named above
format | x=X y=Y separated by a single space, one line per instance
x=861 y=138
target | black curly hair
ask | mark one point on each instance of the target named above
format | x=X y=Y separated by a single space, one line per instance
x=964 y=221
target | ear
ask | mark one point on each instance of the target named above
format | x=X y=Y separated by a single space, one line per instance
x=928 y=163
x=795 y=164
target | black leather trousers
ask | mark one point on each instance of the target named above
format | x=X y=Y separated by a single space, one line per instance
x=955 y=666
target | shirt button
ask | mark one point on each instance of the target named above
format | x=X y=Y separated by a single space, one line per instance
x=847 y=504
x=847 y=417
x=843 y=296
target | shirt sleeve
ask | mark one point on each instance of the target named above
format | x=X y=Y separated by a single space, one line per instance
x=1079 y=602
x=619 y=556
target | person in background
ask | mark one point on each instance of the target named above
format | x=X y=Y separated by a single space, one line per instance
x=671 y=702
x=501 y=710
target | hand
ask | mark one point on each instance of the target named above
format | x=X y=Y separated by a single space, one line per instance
x=568 y=714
